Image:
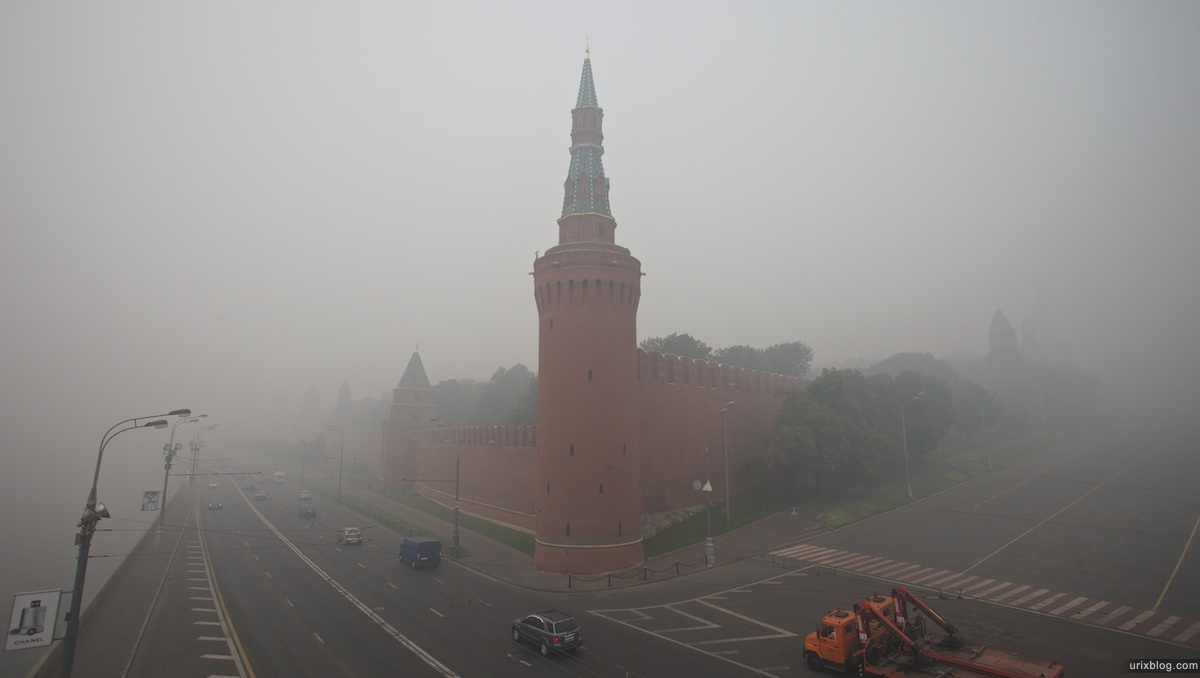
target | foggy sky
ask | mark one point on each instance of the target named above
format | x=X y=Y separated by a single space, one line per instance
x=206 y=204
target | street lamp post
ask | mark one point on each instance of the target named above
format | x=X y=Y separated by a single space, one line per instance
x=196 y=445
x=92 y=513
x=169 y=452
x=457 y=509
x=303 y=450
x=904 y=438
x=725 y=441
x=710 y=553
x=341 y=454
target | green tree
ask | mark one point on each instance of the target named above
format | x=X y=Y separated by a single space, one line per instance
x=682 y=345
x=971 y=405
x=924 y=363
x=928 y=418
x=504 y=401
x=793 y=359
x=741 y=356
x=809 y=438
x=508 y=399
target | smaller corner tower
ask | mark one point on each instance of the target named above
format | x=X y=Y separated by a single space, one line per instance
x=587 y=290
x=414 y=405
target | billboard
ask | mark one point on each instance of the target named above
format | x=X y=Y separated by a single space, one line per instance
x=32 y=621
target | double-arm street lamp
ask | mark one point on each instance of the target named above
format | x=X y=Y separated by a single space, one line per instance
x=169 y=452
x=92 y=513
x=904 y=439
x=341 y=454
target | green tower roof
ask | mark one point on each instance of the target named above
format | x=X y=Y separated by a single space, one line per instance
x=583 y=196
x=587 y=87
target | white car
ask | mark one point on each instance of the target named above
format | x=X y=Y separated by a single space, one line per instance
x=349 y=536
x=212 y=485
x=305 y=495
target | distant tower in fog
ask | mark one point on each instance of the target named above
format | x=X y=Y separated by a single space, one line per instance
x=1002 y=342
x=587 y=290
x=414 y=407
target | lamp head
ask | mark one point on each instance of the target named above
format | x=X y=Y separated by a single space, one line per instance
x=157 y=423
x=182 y=413
x=94 y=515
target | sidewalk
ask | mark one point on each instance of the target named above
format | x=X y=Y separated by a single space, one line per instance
x=111 y=625
x=505 y=563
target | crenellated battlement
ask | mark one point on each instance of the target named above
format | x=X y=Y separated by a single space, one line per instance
x=671 y=370
x=584 y=289
x=485 y=436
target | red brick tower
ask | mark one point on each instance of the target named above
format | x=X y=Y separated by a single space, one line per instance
x=587 y=290
x=414 y=405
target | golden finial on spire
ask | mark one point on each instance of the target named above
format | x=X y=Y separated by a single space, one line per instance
x=587 y=50
x=417 y=348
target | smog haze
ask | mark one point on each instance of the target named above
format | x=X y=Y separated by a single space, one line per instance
x=215 y=205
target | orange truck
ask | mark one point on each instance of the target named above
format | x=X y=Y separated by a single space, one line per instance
x=880 y=638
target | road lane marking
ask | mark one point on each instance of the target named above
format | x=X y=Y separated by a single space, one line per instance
x=1179 y=562
x=1047 y=601
x=1166 y=624
x=437 y=613
x=1112 y=615
x=1063 y=608
x=362 y=566
x=225 y=657
x=1135 y=621
x=371 y=614
x=393 y=586
x=318 y=637
x=289 y=602
x=438 y=581
x=231 y=638
x=1188 y=633
x=1085 y=495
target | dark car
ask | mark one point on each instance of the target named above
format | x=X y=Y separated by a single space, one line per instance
x=308 y=512
x=215 y=506
x=550 y=631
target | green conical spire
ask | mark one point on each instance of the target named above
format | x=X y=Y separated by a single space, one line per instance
x=587 y=88
x=586 y=186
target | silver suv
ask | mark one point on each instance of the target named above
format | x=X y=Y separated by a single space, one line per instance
x=551 y=631
x=350 y=535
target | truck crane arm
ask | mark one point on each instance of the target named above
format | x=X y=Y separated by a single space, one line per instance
x=903 y=596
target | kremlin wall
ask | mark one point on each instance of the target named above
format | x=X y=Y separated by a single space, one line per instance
x=622 y=434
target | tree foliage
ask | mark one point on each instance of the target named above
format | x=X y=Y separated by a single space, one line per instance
x=509 y=399
x=853 y=425
x=792 y=358
x=682 y=345
x=923 y=363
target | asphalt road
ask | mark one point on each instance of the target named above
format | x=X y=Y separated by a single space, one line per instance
x=301 y=605
x=1107 y=515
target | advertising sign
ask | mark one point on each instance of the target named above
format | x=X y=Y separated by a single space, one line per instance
x=32 y=621
x=150 y=500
